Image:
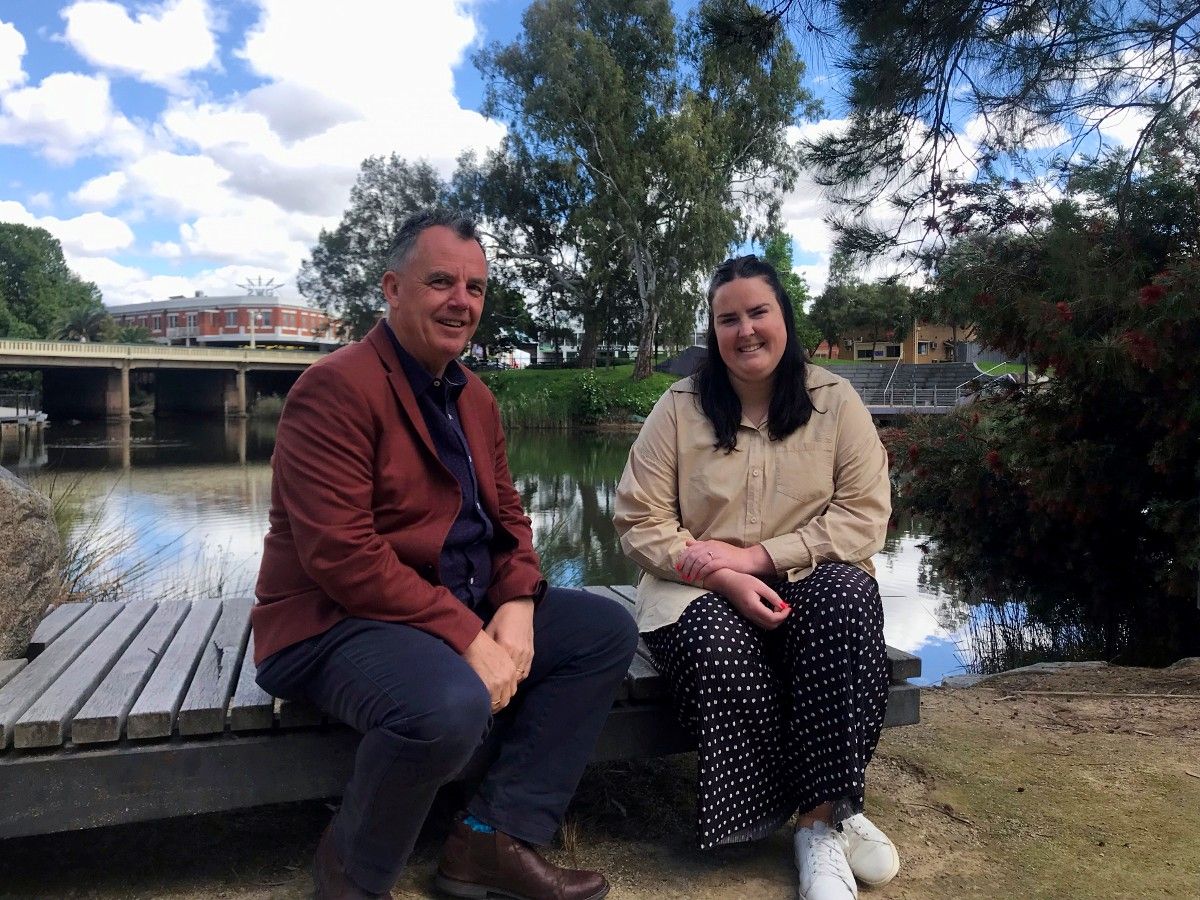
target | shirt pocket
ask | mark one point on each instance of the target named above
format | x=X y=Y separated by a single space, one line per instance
x=804 y=471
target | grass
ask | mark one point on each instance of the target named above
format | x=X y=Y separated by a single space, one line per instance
x=564 y=398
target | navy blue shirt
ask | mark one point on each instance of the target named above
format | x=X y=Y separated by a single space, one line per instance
x=465 y=566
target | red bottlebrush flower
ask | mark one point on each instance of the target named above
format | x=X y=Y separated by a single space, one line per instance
x=974 y=418
x=1064 y=311
x=914 y=452
x=1150 y=295
x=993 y=460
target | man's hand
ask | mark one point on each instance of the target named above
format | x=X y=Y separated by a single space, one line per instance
x=703 y=558
x=751 y=597
x=494 y=668
x=512 y=628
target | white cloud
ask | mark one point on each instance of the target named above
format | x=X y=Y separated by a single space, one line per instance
x=166 y=249
x=88 y=234
x=67 y=115
x=101 y=191
x=259 y=234
x=41 y=200
x=121 y=284
x=12 y=48
x=160 y=46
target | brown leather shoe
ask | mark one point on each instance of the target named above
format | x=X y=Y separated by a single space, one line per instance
x=331 y=879
x=479 y=865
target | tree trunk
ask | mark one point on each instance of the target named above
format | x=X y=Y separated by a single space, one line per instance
x=587 y=341
x=646 y=276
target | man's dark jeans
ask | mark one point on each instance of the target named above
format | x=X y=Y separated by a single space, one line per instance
x=424 y=714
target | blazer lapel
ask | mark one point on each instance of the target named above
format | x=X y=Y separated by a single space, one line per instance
x=400 y=386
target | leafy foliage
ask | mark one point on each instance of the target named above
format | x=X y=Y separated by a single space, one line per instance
x=669 y=146
x=84 y=323
x=342 y=276
x=37 y=289
x=1082 y=494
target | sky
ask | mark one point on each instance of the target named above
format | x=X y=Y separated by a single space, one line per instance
x=186 y=145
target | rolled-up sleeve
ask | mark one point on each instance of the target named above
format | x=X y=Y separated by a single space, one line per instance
x=647 y=507
x=853 y=526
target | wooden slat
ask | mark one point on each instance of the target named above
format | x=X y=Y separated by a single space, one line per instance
x=10 y=667
x=252 y=707
x=204 y=708
x=153 y=714
x=903 y=665
x=103 y=716
x=647 y=684
x=23 y=691
x=45 y=723
x=55 y=623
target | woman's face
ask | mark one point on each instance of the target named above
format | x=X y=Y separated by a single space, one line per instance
x=750 y=331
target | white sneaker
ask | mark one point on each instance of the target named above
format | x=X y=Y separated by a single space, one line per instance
x=821 y=861
x=872 y=855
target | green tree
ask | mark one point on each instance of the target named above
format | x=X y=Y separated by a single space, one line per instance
x=84 y=323
x=1036 y=80
x=677 y=142
x=778 y=252
x=37 y=288
x=1088 y=484
x=343 y=273
x=506 y=320
x=133 y=334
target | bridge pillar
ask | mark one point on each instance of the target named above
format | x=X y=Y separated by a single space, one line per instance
x=235 y=395
x=87 y=394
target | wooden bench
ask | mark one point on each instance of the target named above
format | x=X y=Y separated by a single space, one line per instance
x=126 y=712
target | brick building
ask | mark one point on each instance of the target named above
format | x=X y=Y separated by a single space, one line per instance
x=235 y=321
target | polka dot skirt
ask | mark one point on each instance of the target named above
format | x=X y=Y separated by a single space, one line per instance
x=784 y=720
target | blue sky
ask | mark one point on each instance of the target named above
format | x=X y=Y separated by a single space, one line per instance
x=181 y=145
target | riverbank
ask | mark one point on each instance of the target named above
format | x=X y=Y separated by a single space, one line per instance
x=1085 y=790
x=568 y=398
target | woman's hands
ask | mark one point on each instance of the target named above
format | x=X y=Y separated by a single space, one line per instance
x=703 y=558
x=751 y=597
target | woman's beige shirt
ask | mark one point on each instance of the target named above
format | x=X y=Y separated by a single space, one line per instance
x=821 y=494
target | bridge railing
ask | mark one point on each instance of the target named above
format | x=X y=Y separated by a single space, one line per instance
x=914 y=396
x=79 y=349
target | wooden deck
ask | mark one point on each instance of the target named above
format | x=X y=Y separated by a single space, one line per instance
x=125 y=712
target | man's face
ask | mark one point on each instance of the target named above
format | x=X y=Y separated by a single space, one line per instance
x=436 y=299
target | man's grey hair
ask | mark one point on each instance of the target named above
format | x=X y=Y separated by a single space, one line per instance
x=406 y=237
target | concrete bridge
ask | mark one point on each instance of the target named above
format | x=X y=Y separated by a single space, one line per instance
x=92 y=381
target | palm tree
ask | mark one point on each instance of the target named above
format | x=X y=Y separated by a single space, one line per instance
x=84 y=323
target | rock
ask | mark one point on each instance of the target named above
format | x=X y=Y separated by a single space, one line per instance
x=1188 y=662
x=29 y=552
x=1045 y=668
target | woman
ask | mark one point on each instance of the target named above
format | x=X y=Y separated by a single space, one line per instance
x=753 y=499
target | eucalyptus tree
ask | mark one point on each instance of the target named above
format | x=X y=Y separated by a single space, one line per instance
x=674 y=141
x=343 y=272
x=38 y=290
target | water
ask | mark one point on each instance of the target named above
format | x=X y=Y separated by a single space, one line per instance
x=189 y=500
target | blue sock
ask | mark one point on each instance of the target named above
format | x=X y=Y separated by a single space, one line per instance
x=476 y=825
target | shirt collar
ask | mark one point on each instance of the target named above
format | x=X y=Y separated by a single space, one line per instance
x=453 y=380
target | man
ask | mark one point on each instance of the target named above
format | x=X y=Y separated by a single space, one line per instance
x=399 y=592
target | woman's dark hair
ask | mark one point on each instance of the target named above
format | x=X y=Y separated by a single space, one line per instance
x=790 y=404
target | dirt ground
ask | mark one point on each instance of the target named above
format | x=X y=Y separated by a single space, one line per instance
x=1015 y=788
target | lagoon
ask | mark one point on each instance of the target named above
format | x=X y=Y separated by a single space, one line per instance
x=185 y=502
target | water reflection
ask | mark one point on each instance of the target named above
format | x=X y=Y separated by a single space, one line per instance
x=194 y=497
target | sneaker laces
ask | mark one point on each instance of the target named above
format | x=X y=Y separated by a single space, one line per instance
x=826 y=857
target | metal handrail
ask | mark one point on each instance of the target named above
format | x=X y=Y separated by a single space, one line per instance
x=914 y=396
x=892 y=377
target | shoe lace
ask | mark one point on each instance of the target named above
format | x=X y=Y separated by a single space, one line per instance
x=826 y=857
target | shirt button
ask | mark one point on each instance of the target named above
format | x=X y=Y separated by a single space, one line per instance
x=437 y=383
x=754 y=472
x=754 y=518
x=471 y=580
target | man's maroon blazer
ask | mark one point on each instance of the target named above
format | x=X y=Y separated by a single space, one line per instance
x=361 y=506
